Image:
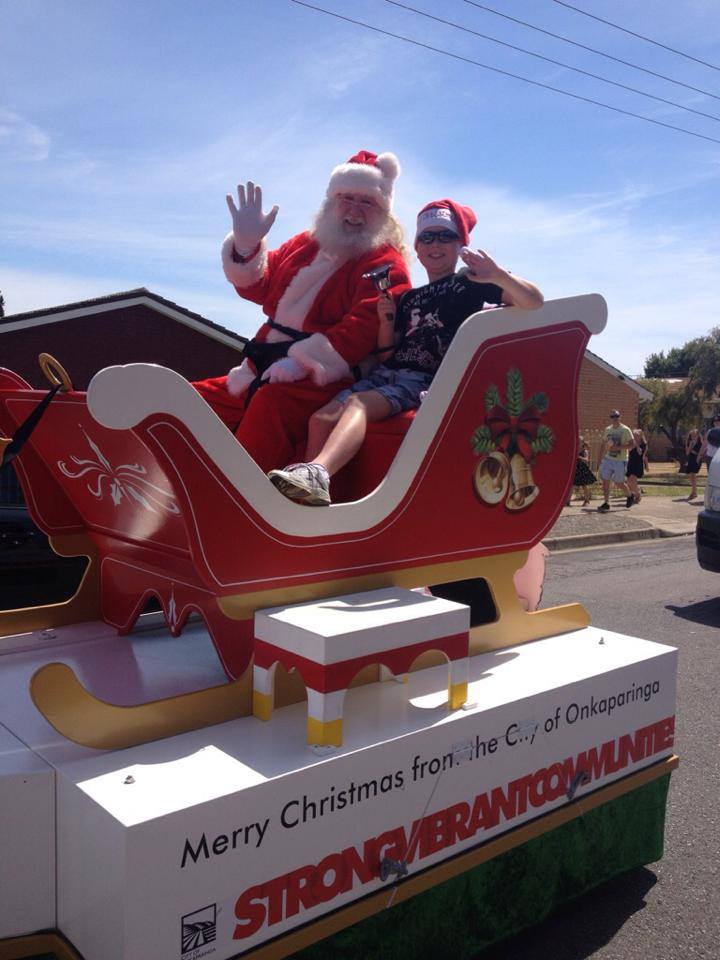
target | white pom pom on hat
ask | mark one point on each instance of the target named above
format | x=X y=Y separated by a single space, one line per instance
x=369 y=173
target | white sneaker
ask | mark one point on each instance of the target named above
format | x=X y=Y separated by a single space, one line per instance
x=304 y=482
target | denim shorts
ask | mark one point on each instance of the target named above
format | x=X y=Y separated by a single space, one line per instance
x=401 y=388
x=611 y=469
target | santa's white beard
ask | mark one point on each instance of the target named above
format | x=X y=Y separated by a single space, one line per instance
x=333 y=238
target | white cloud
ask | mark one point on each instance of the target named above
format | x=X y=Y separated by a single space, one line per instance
x=20 y=140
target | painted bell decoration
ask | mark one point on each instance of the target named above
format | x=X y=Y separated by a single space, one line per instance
x=492 y=477
x=522 y=487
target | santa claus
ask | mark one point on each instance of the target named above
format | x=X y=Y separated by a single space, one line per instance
x=318 y=300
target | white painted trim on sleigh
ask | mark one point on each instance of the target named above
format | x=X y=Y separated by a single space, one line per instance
x=122 y=397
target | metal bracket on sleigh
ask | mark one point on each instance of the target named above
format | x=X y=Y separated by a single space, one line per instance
x=169 y=504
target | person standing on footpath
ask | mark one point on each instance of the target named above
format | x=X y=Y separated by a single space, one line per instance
x=711 y=441
x=637 y=463
x=693 y=446
x=584 y=478
x=618 y=439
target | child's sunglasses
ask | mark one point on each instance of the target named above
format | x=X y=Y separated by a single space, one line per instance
x=443 y=236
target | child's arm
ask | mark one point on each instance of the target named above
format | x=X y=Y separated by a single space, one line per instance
x=386 y=326
x=516 y=291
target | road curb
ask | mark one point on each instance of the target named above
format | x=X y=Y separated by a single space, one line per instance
x=556 y=544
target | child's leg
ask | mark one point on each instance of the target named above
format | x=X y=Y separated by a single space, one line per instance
x=320 y=426
x=349 y=432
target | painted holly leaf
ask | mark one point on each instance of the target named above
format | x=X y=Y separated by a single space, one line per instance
x=492 y=397
x=544 y=440
x=539 y=401
x=514 y=392
x=482 y=440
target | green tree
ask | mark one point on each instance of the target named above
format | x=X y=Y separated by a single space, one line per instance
x=678 y=362
x=705 y=371
x=672 y=412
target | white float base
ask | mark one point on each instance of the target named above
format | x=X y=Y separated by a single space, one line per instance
x=27 y=839
x=215 y=841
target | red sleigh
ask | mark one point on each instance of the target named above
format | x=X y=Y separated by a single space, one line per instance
x=141 y=476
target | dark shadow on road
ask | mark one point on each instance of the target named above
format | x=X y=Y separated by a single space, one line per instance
x=705 y=611
x=580 y=928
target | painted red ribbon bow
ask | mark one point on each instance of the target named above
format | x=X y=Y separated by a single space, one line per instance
x=510 y=431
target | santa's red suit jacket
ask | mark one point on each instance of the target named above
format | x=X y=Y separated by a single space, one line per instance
x=297 y=286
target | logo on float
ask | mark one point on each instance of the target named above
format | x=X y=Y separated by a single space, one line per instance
x=198 y=929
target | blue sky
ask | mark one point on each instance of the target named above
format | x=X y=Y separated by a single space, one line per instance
x=123 y=125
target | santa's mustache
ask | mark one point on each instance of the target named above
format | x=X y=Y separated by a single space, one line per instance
x=330 y=234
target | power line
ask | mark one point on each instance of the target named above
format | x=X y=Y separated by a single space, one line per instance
x=557 y=63
x=505 y=73
x=638 y=35
x=582 y=46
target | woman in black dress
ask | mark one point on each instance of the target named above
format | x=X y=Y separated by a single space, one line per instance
x=637 y=464
x=584 y=477
x=693 y=445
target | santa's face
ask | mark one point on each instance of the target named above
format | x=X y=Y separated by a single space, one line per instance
x=357 y=212
x=439 y=258
x=350 y=223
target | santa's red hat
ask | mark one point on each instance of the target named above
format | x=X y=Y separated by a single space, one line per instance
x=446 y=213
x=367 y=173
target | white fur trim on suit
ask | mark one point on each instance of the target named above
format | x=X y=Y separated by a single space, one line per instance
x=240 y=378
x=242 y=274
x=320 y=359
x=374 y=179
x=299 y=295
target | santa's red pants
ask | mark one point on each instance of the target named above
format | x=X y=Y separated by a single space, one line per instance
x=273 y=427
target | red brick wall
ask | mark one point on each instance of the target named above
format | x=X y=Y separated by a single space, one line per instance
x=133 y=334
x=599 y=392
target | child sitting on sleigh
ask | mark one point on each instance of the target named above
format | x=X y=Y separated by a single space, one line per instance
x=414 y=335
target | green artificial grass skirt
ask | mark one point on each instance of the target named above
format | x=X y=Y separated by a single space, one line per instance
x=517 y=889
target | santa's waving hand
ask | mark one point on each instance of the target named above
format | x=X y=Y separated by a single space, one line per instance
x=249 y=223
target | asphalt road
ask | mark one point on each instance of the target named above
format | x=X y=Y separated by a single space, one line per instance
x=671 y=909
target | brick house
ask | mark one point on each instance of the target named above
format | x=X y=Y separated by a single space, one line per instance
x=129 y=327
x=602 y=388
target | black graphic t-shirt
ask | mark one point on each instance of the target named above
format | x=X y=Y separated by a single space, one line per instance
x=429 y=317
